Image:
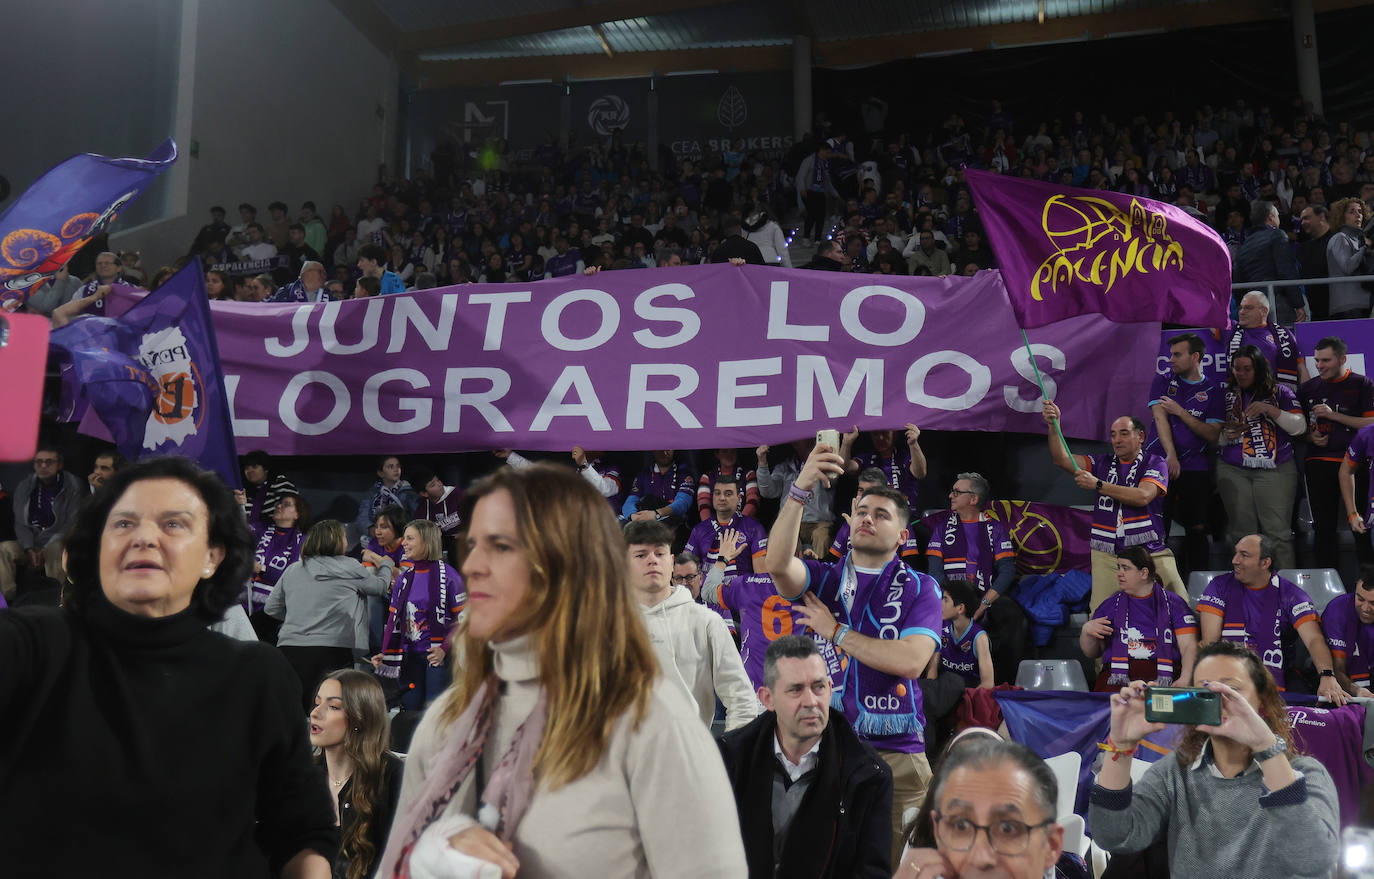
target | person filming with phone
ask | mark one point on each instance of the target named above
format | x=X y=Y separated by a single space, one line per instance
x=1233 y=793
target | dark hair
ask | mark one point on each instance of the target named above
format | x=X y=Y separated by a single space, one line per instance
x=872 y=475
x=308 y=204
x=1265 y=385
x=786 y=647
x=277 y=206
x=296 y=227
x=302 y=509
x=226 y=529
x=420 y=476
x=245 y=206
x=897 y=498
x=648 y=533
x=117 y=460
x=255 y=225
x=373 y=252
x=1266 y=549
x=370 y=284
x=727 y=479
x=381 y=461
x=1366 y=580
x=1335 y=343
x=395 y=516
x=962 y=592
x=1271 y=708
x=1192 y=340
x=686 y=558
x=982 y=752
x=1141 y=558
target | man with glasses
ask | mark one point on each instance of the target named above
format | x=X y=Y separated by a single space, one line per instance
x=45 y=506
x=969 y=545
x=993 y=815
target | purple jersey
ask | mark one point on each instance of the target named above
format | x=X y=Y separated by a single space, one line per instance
x=886 y=612
x=1278 y=346
x=1257 y=617
x=897 y=469
x=1349 y=638
x=704 y=543
x=1116 y=525
x=1361 y=451
x=1262 y=444
x=563 y=264
x=1204 y=400
x=1145 y=628
x=445 y=512
x=667 y=484
x=960 y=655
x=1351 y=394
x=276 y=549
x=764 y=617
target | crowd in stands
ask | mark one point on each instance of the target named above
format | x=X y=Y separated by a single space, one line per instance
x=910 y=611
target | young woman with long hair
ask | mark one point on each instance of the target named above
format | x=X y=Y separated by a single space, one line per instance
x=349 y=728
x=558 y=745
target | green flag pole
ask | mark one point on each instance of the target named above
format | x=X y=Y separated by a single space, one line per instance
x=1041 y=382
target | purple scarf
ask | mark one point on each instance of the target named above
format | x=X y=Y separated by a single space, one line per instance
x=1167 y=657
x=41 y=502
x=955 y=548
x=1109 y=520
x=276 y=550
x=444 y=606
x=872 y=687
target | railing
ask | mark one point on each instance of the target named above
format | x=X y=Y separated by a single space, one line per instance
x=1268 y=287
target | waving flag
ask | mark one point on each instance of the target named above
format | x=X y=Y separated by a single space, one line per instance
x=63 y=210
x=1065 y=251
x=153 y=377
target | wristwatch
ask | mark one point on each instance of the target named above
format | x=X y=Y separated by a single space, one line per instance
x=1099 y=485
x=1273 y=750
x=985 y=603
x=1327 y=673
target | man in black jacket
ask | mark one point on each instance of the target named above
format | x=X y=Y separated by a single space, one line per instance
x=734 y=246
x=813 y=800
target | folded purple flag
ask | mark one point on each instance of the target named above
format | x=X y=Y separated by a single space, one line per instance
x=1065 y=251
x=63 y=210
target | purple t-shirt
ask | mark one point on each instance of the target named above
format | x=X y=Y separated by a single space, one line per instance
x=1348 y=637
x=915 y=610
x=764 y=617
x=704 y=543
x=1145 y=627
x=1361 y=451
x=1257 y=617
x=1204 y=400
x=1278 y=346
x=445 y=512
x=1351 y=394
x=1262 y=444
x=961 y=655
x=897 y=469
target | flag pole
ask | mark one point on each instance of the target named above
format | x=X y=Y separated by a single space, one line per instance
x=1041 y=382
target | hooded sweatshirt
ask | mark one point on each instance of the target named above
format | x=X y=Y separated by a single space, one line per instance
x=695 y=649
x=321 y=601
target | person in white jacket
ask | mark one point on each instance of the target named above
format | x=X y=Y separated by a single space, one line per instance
x=767 y=234
x=691 y=641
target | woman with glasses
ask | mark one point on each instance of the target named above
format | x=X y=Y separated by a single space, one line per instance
x=1143 y=632
x=1235 y=795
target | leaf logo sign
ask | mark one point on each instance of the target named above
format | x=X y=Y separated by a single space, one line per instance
x=733 y=110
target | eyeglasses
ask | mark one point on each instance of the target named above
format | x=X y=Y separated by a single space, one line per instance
x=45 y=461
x=958 y=491
x=683 y=581
x=1006 y=836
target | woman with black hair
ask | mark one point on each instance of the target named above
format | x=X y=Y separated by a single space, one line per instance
x=113 y=702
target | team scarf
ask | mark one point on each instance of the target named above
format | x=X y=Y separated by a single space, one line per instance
x=1285 y=345
x=1108 y=523
x=277 y=548
x=861 y=614
x=444 y=607
x=1259 y=436
x=383 y=496
x=41 y=501
x=955 y=547
x=1118 y=655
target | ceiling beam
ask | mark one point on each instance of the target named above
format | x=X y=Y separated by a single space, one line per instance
x=579 y=15
x=491 y=71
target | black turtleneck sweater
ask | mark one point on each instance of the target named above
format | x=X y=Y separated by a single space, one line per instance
x=150 y=747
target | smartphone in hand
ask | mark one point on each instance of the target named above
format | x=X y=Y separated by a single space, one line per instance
x=1190 y=705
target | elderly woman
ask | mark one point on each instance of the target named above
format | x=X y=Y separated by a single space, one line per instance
x=558 y=748
x=1234 y=796
x=322 y=604
x=137 y=742
x=1143 y=632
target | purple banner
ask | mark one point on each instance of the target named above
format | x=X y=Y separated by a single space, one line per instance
x=1068 y=251
x=1358 y=336
x=691 y=357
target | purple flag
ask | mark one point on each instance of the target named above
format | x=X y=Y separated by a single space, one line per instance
x=1049 y=539
x=1066 y=251
x=153 y=375
x=689 y=357
x=63 y=210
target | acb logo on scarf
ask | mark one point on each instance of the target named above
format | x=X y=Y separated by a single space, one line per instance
x=177 y=407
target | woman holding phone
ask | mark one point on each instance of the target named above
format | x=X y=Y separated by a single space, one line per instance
x=1233 y=794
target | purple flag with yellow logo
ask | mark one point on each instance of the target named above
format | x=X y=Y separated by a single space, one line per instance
x=1065 y=251
x=63 y=210
x=1049 y=539
x=153 y=377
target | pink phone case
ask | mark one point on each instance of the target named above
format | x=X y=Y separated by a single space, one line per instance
x=23 y=357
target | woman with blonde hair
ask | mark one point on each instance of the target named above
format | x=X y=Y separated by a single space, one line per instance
x=349 y=728
x=425 y=602
x=558 y=751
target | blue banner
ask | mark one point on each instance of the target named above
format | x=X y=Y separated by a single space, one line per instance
x=63 y=210
x=153 y=376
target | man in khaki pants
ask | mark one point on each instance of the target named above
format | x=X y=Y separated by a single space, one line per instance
x=1129 y=485
x=882 y=617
